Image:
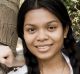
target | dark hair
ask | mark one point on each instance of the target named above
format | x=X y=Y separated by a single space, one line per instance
x=56 y=7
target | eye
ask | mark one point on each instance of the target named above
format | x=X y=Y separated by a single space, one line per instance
x=51 y=28
x=30 y=30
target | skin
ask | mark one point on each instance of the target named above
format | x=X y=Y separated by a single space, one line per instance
x=44 y=36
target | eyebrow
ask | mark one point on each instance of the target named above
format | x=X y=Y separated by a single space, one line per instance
x=51 y=21
x=34 y=24
x=28 y=25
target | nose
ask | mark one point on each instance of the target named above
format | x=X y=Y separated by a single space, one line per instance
x=42 y=36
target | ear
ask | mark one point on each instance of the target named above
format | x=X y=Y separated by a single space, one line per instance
x=66 y=31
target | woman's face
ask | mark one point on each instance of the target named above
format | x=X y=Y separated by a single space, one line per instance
x=43 y=33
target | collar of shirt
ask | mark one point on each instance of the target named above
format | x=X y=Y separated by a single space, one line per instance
x=68 y=62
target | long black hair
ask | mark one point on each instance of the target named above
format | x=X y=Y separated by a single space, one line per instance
x=55 y=7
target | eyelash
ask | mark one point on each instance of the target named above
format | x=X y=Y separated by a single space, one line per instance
x=51 y=28
x=31 y=30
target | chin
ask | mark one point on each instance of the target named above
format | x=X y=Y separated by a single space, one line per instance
x=44 y=57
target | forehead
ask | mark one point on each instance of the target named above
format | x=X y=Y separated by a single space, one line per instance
x=39 y=15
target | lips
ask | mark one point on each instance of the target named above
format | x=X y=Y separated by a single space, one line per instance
x=43 y=48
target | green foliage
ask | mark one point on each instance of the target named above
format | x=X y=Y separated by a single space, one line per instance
x=73 y=7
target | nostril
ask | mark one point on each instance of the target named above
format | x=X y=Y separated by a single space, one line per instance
x=42 y=38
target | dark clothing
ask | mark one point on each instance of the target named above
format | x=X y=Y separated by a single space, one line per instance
x=75 y=63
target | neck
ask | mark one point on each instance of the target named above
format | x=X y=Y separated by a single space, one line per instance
x=52 y=64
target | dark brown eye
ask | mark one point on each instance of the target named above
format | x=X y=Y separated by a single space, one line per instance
x=51 y=28
x=31 y=30
x=5 y=57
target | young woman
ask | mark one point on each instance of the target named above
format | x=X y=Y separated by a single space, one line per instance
x=45 y=29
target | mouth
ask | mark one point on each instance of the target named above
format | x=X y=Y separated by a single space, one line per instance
x=43 y=48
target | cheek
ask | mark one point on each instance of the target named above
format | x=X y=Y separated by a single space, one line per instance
x=58 y=37
x=29 y=39
x=58 y=41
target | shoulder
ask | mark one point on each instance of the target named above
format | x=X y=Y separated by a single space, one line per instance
x=75 y=66
x=73 y=63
